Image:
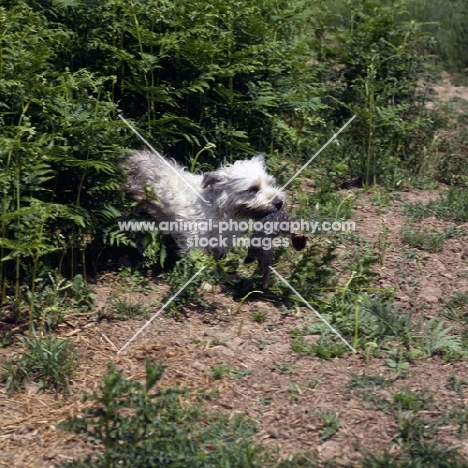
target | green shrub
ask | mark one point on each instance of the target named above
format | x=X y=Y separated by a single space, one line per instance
x=448 y=23
x=379 y=58
x=206 y=91
x=207 y=82
x=57 y=150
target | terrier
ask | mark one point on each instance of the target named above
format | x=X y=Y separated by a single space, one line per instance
x=200 y=202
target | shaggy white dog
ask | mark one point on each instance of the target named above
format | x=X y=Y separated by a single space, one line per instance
x=232 y=193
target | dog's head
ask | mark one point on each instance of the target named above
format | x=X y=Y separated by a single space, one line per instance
x=243 y=190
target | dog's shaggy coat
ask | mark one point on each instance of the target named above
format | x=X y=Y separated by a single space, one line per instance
x=168 y=192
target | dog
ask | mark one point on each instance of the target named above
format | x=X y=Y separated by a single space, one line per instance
x=234 y=192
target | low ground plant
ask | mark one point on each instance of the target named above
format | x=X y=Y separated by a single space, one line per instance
x=422 y=238
x=122 y=309
x=331 y=423
x=143 y=425
x=219 y=371
x=259 y=316
x=185 y=280
x=49 y=362
x=451 y=206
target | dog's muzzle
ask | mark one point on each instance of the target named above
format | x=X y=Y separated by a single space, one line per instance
x=278 y=204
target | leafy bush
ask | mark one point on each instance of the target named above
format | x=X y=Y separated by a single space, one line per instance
x=448 y=23
x=379 y=58
x=236 y=83
x=208 y=82
x=57 y=149
x=452 y=145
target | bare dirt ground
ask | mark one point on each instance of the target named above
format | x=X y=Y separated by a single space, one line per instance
x=282 y=402
x=445 y=91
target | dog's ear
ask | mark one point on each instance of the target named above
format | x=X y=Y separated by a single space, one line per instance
x=210 y=179
x=261 y=159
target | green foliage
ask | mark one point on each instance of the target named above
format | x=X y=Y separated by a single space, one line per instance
x=451 y=206
x=313 y=263
x=195 y=84
x=195 y=265
x=456 y=309
x=459 y=414
x=376 y=325
x=6 y=340
x=433 y=337
x=55 y=296
x=58 y=146
x=123 y=310
x=207 y=83
x=450 y=150
x=325 y=348
x=331 y=423
x=429 y=337
x=458 y=301
x=422 y=238
x=219 y=371
x=409 y=400
x=364 y=380
x=324 y=205
x=417 y=454
x=388 y=323
x=143 y=425
x=82 y=293
x=235 y=84
x=360 y=259
x=259 y=316
x=379 y=58
x=416 y=441
x=448 y=23
x=283 y=368
x=49 y=362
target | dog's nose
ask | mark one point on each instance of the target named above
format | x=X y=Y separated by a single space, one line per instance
x=278 y=204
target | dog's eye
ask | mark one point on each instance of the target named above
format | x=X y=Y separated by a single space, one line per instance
x=253 y=189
